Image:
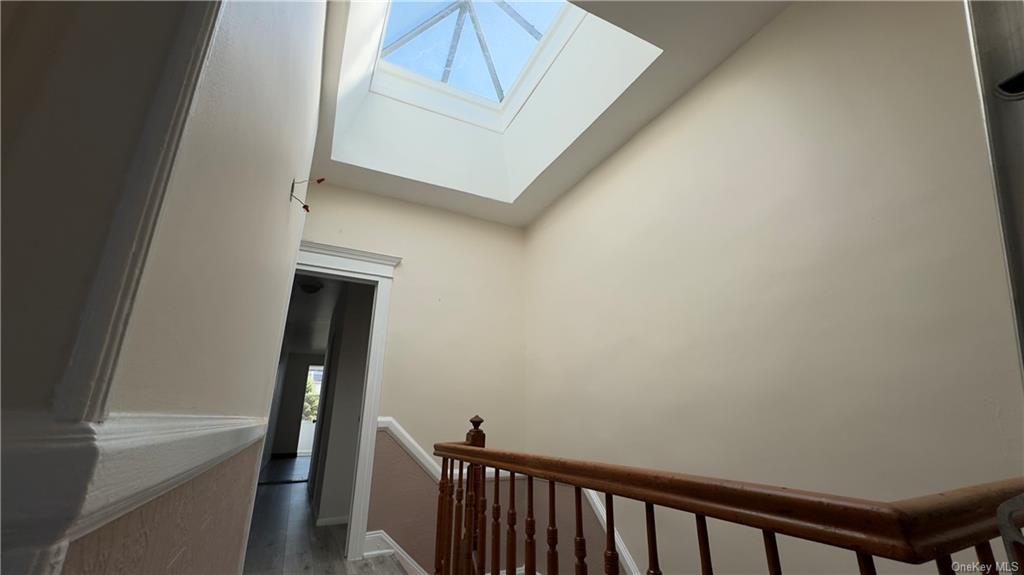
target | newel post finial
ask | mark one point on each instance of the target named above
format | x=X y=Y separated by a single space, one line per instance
x=476 y=436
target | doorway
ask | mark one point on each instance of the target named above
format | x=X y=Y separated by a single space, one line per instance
x=322 y=428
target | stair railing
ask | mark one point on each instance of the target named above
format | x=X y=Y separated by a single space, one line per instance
x=916 y=530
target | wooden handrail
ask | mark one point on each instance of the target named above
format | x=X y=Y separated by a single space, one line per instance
x=911 y=530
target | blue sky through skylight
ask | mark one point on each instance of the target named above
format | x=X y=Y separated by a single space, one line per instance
x=478 y=46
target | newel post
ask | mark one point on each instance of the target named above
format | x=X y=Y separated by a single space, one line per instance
x=476 y=436
x=471 y=559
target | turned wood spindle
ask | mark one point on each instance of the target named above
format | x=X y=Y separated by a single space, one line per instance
x=945 y=565
x=771 y=551
x=449 y=511
x=440 y=517
x=496 y=522
x=654 y=568
x=580 y=547
x=552 y=532
x=985 y=556
x=704 y=545
x=481 y=523
x=611 y=556
x=466 y=559
x=454 y=553
x=510 y=540
x=530 y=548
x=866 y=564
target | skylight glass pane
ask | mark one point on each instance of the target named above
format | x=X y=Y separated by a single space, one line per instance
x=426 y=53
x=406 y=15
x=486 y=43
x=469 y=69
x=510 y=44
x=541 y=14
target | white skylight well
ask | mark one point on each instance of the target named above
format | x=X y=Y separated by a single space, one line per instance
x=475 y=96
x=480 y=47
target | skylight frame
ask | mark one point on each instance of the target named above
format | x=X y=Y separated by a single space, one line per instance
x=394 y=81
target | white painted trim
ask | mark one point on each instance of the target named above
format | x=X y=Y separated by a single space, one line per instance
x=82 y=392
x=380 y=543
x=624 y=555
x=337 y=520
x=433 y=468
x=142 y=456
x=425 y=460
x=107 y=469
x=377 y=269
x=334 y=259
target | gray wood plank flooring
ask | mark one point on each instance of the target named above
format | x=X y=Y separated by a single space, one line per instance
x=284 y=541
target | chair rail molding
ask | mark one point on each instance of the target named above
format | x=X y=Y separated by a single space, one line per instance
x=108 y=468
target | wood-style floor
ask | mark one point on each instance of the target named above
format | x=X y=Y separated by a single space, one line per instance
x=286 y=470
x=284 y=541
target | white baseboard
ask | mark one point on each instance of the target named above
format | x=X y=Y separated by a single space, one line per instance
x=325 y=521
x=106 y=469
x=425 y=460
x=380 y=543
x=431 y=466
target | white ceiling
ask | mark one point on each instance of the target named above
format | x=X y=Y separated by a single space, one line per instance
x=695 y=37
x=308 y=326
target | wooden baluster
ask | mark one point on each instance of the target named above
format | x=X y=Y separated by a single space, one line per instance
x=611 y=556
x=481 y=524
x=439 y=534
x=530 y=561
x=496 y=521
x=866 y=564
x=449 y=510
x=552 y=532
x=654 y=567
x=771 y=550
x=580 y=550
x=454 y=554
x=466 y=560
x=945 y=565
x=985 y=556
x=476 y=510
x=705 y=546
x=510 y=540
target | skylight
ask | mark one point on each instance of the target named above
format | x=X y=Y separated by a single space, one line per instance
x=478 y=46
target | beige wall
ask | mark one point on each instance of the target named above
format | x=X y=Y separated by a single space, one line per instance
x=345 y=384
x=198 y=527
x=205 y=331
x=71 y=126
x=455 y=335
x=794 y=276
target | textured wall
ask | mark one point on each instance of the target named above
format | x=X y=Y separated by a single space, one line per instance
x=793 y=276
x=198 y=527
x=455 y=333
x=66 y=103
x=206 y=327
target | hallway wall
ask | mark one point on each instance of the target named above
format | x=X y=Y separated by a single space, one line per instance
x=794 y=276
x=455 y=333
x=66 y=104
x=216 y=283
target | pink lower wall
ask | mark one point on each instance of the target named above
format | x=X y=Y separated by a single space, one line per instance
x=199 y=527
